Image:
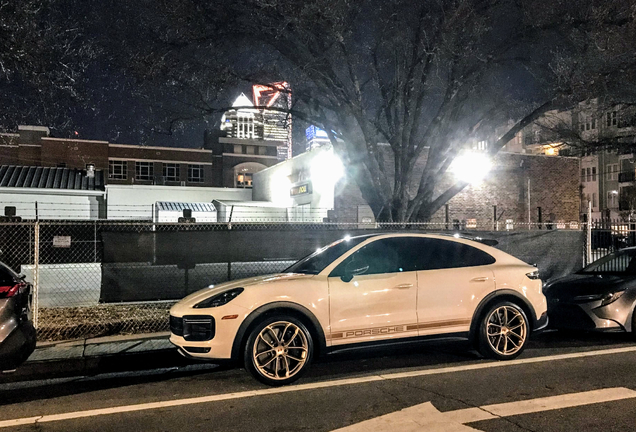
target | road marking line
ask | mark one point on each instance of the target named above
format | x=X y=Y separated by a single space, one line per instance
x=549 y=403
x=426 y=417
x=310 y=386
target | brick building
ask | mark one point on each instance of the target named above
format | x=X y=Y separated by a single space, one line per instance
x=519 y=188
x=221 y=162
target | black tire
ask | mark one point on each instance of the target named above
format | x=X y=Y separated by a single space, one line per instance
x=282 y=360
x=515 y=330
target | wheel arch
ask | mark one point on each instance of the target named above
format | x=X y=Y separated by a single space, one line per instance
x=498 y=296
x=293 y=309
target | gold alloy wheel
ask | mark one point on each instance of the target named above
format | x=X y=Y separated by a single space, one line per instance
x=280 y=350
x=506 y=330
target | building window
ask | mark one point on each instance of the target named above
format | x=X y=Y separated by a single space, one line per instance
x=611 y=119
x=612 y=199
x=593 y=123
x=144 y=170
x=612 y=172
x=583 y=175
x=594 y=199
x=117 y=170
x=593 y=173
x=244 y=180
x=245 y=126
x=195 y=173
x=171 y=172
x=589 y=174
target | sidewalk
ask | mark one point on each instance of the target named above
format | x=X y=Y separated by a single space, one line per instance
x=97 y=355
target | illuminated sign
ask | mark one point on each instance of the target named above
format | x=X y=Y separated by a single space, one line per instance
x=301 y=189
x=313 y=132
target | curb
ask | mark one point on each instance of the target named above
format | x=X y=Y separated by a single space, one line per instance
x=96 y=355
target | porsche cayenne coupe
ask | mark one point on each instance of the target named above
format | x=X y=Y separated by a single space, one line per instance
x=361 y=291
x=600 y=297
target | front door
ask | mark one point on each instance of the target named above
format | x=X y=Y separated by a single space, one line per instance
x=379 y=301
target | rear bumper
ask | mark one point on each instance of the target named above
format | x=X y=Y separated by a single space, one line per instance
x=18 y=346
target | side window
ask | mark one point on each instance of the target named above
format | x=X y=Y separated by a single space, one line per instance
x=6 y=277
x=380 y=256
x=621 y=262
x=442 y=254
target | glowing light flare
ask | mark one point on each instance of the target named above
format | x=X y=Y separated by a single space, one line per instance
x=471 y=167
x=279 y=188
x=326 y=170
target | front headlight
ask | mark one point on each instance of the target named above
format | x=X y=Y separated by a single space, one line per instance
x=611 y=298
x=219 y=299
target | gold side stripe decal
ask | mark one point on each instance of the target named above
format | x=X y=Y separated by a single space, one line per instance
x=378 y=331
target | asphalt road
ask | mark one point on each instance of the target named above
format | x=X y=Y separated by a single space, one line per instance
x=561 y=383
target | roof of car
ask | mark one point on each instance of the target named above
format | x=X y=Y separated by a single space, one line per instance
x=455 y=235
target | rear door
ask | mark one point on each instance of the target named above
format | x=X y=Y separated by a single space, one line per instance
x=453 y=277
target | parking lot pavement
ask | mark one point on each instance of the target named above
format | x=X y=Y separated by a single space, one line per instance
x=445 y=385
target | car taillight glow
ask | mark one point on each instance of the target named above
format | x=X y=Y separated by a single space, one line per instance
x=9 y=290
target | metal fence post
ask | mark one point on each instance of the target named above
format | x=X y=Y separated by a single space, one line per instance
x=36 y=272
x=588 y=234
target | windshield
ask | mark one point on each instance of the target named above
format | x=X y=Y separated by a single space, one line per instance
x=617 y=262
x=317 y=261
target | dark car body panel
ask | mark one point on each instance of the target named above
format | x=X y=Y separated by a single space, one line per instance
x=575 y=301
x=17 y=334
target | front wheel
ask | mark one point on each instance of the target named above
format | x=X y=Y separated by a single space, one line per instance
x=278 y=350
x=503 y=331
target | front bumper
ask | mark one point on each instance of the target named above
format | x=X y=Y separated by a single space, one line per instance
x=203 y=337
x=541 y=323
x=589 y=316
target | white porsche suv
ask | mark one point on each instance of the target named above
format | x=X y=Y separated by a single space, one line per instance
x=364 y=290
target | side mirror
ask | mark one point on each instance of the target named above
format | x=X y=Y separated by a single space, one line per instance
x=354 y=269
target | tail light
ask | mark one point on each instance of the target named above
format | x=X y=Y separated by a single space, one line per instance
x=9 y=290
x=534 y=275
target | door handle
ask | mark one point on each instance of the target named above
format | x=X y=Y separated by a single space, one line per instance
x=479 y=279
x=404 y=286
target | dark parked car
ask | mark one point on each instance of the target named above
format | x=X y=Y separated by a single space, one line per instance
x=601 y=296
x=17 y=335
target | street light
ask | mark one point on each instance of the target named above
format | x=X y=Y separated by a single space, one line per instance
x=326 y=170
x=471 y=167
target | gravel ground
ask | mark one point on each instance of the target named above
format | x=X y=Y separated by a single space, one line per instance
x=56 y=324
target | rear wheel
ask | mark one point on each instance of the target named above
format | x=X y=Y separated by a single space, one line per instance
x=278 y=350
x=503 y=331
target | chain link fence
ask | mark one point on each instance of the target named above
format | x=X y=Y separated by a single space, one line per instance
x=102 y=277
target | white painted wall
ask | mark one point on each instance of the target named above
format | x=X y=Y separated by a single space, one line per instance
x=67 y=285
x=136 y=201
x=274 y=183
x=52 y=203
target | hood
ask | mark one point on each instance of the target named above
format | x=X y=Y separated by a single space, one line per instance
x=585 y=284
x=246 y=283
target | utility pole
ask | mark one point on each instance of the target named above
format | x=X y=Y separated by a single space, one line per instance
x=529 y=211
